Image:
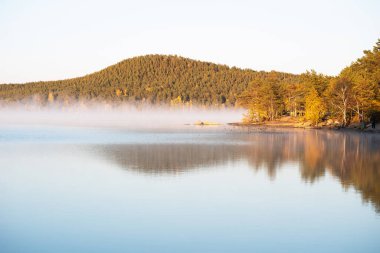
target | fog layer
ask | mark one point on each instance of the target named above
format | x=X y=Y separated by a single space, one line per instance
x=127 y=116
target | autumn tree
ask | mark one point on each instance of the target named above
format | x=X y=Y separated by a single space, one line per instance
x=262 y=100
x=340 y=97
x=294 y=97
x=365 y=77
x=363 y=91
x=314 y=106
x=311 y=79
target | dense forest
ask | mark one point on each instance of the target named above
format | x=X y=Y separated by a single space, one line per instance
x=353 y=95
x=155 y=79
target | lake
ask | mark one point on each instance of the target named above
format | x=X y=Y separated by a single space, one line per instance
x=193 y=189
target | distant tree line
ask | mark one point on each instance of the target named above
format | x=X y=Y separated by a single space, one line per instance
x=155 y=79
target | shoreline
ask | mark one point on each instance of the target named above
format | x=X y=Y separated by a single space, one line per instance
x=298 y=125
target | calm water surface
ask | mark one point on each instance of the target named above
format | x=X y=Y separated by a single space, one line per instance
x=190 y=190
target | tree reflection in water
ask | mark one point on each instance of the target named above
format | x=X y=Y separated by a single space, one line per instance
x=353 y=158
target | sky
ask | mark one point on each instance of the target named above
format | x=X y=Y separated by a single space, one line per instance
x=50 y=40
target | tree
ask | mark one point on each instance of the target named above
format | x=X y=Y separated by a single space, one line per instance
x=363 y=91
x=250 y=99
x=262 y=101
x=313 y=79
x=340 y=97
x=294 y=97
x=364 y=74
x=314 y=106
x=176 y=102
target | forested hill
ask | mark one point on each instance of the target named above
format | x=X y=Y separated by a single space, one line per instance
x=150 y=79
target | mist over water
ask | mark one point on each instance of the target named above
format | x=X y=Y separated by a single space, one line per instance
x=85 y=179
x=124 y=116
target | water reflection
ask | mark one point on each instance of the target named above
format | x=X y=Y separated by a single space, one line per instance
x=171 y=158
x=353 y=158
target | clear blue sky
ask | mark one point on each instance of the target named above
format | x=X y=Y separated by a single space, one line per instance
x=47 y=39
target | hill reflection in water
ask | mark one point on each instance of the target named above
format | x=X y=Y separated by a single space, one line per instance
x=353 y=158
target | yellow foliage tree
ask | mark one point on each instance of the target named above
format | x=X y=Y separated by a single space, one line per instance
x=314 y=106
x=118 y=92
x=177 y=101
x=50 y=97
